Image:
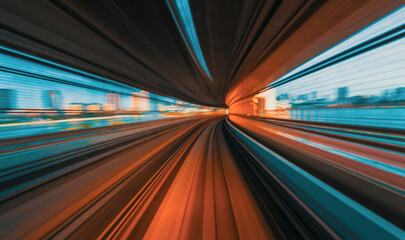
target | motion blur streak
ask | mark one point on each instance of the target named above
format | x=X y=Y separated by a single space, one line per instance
x=190 y=119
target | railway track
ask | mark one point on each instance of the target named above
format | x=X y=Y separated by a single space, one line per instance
x=390 y=139
x=373 y=186
x=195 y=179
x=175 y=183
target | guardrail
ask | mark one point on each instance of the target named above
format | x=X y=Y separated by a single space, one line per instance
x=344 y=216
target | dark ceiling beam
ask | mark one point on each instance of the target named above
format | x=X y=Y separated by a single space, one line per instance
x=329 y=24
x=246 y=44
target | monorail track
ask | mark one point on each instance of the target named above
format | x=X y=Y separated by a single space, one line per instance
x=193 y=179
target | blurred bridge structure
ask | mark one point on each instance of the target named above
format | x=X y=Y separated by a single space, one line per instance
x=202 y=119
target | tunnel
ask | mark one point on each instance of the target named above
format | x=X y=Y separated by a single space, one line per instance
x=202 y=119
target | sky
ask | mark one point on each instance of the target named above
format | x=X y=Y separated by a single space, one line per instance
x=367 y=74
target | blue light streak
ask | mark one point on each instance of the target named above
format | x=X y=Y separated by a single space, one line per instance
x=183 y=10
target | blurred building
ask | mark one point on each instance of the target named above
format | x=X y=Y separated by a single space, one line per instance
x=52 y=99
x=93 y=108
x=342 y=93
x=113 y=101
x=74 y=108
x=141 y=101
x=7 y=98
x=259 y=105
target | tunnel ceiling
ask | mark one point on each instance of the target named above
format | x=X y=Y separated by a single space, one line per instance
x=140 y=44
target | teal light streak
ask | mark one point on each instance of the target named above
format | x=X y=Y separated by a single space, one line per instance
x=184 y=12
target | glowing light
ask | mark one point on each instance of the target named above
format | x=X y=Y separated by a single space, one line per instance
x=191 y=38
